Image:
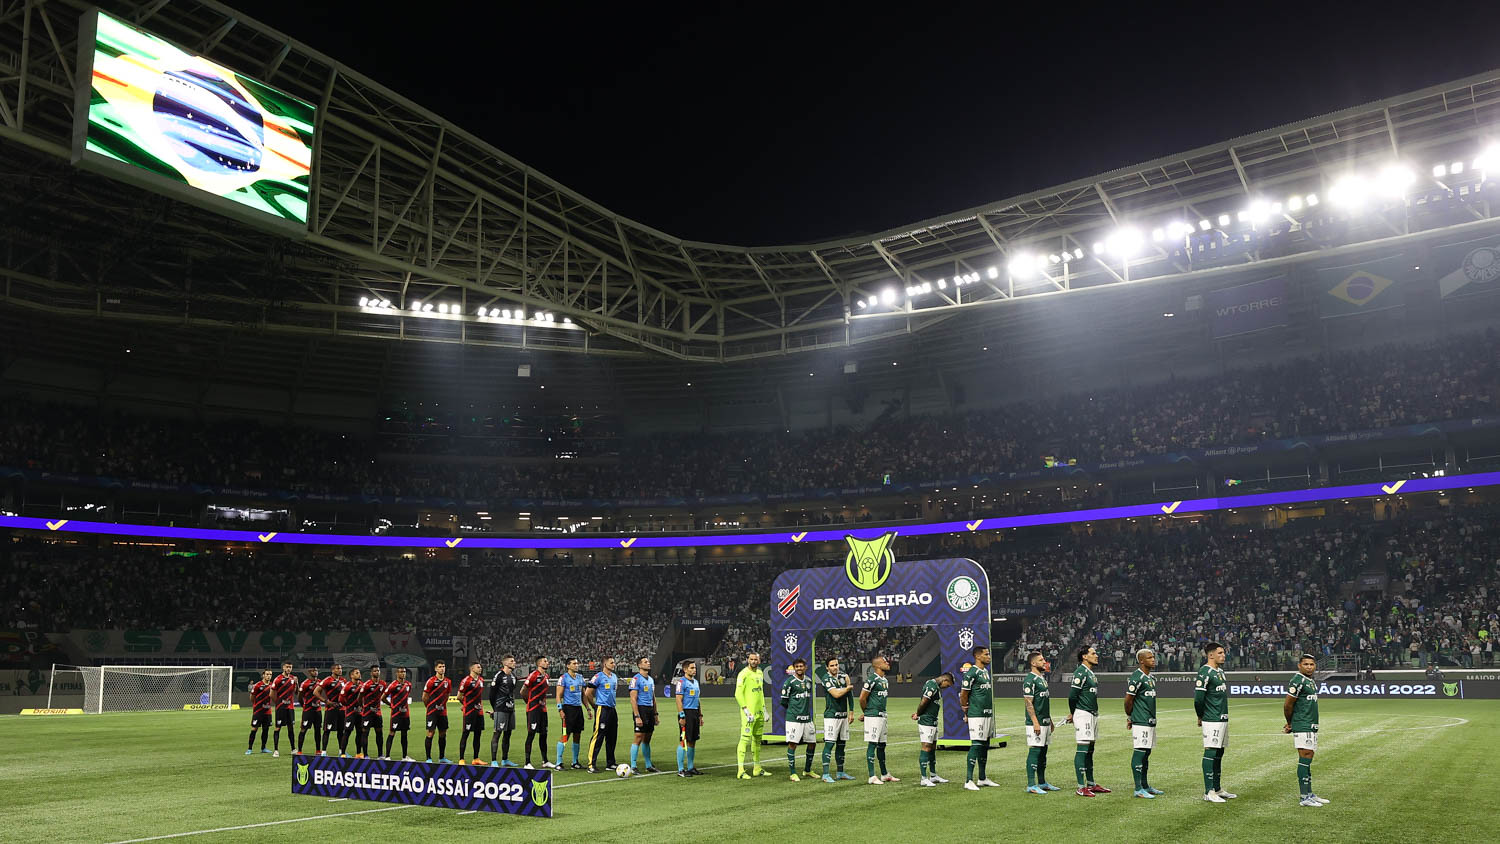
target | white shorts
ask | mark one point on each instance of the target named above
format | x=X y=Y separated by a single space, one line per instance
x=801 y=732
x=875 y=728
x=1085 y=726
x=980 y=729
x=1034 y=740
x=1142 y=737
x=836 y=729
x=1305 y=741
x=926 y=734
x=1215 y=734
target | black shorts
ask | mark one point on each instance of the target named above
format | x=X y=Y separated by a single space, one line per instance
x=260 y=719
x=368 y=720
x=312 y=718
x=691 y=721
x=401 y=723
x=474 y=722
x=286 y=718
x=333 y=721
x=572 y=718
x=505 y=722
x=648 y=720
x=437 y=721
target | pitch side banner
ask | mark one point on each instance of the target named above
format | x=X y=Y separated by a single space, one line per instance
x=1248 y=307
x=222 y=643
x=873 y=591
x=511 y=791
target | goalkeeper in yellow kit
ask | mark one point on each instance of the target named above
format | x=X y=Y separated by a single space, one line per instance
x=749 y=691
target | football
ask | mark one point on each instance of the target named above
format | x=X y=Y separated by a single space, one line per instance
x=623 y=770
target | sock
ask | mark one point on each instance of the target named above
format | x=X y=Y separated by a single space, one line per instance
x=404 y=751
x=494 y=746
x=739 y=751
x=276 y=740
x=932 y=760
x=755 y=747
x=791 y=758
x=646 y=754
x=529 y=736
x=880 y=755
x=681 y=754
x=390 y=742
x=692 y=756
x=1137 y=768
x=1090 y=764
x=504 y=745
x=263 y=738
x=807 y=767
x=1081 y=764
x=635 y=754
x=1041 y=765
x=827 y=755
x=575 y=755
x=870 y=758
x=922 y=763
x=250 y=745
x=442 y=745
x=1146 y=768
x=838 y=755
x=1031 y=762
x=1304 y=776
x=429 y=749
x=463 y=742
x=1219 y=768
x=476 y=743
x=560 y=746
x=1208 y=769
x=984 y=759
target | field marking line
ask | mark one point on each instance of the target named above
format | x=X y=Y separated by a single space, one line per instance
x=264 y=824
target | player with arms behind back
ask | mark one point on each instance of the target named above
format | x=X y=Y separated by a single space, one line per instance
x=330 y=690
x=872 y=701
x=929 y=724
x=796 y=699
x=1038 y=697
x=398 y=697
x=534 y=692
x=836 y=689
x=1301 y=712
x=1211 y=702
x=1083 y=711
x=260 y=711
x=312 y=712
x=471 y=700
x=284 y=689
x=977 y=697
x=435 y=698
x=1140 y=718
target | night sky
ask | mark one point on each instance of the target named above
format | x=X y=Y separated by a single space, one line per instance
x=763 y=124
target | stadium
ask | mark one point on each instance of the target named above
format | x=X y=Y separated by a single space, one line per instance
x=320 y=412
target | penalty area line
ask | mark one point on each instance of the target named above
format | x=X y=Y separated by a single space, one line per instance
x=264 y=824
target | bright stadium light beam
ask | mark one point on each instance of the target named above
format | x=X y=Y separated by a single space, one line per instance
x=1022 y=266
x=993 y=273
x=1349 y=192
x=1124 y=242
x=1223 y=219
x=888 y=296
x=1394 y=180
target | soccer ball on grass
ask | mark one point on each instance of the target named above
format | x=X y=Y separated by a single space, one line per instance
x=623 y=770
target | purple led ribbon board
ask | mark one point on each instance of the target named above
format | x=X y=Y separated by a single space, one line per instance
x=1196 y=505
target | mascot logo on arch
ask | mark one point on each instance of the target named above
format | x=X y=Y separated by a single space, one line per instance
x=869 y=561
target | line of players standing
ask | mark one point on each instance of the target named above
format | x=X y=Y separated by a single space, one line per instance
x=345 y=707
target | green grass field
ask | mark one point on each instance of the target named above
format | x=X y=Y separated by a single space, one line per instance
x=183 y=774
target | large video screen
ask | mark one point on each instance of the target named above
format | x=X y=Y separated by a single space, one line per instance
x=186 y=119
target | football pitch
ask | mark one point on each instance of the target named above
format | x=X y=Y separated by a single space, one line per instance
x=184 y=775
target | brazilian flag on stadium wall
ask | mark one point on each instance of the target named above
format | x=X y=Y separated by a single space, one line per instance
x=1362 y=287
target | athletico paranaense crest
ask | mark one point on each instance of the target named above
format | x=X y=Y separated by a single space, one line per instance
x=869 y=561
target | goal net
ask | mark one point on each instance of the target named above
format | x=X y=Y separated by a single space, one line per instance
x=136 y=688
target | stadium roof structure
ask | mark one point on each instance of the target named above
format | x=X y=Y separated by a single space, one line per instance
x=408 y=210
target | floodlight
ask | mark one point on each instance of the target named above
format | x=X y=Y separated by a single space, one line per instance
x=994 y=272
x=1204 y=225
x=1456 y=167
x=1312 y=200
x=1294 y=203
x=1124 y=242
x=1439 y=171
x=427 y=308
x=942 y=284
x=1022 y=266
x=1394 y=179
x=1349 y=191
x=1156 y=235
x=1078 y=253
x=888 y=296
x=1223 y=219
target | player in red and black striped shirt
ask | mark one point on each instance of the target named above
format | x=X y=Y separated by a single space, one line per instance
x=312 y=712
x=471 y=698
x=534 y=692
x=435 y=698
x=370 y=693
x=349 y=703
x=398 y=697
x=284 y=689
x=329 y=690
x=260 y=712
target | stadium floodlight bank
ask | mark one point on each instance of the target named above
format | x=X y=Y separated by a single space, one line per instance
x=144 y=688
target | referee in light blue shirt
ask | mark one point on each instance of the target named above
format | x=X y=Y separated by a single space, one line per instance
x=689 y=720
x=643 y=706
x=600 y=695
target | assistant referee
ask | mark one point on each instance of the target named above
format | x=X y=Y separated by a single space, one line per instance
x=600 y=695
x=689 y=720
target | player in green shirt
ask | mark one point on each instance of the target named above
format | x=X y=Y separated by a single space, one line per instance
x=1211 y=702
x=1140 y=714
x=749 y=692
x=977 y=697
x=1301 y=713
x=797 y=698
x=836 y=689
x=1083 y=711
x=1038 y=697
x=929 y=725
x=872 y=701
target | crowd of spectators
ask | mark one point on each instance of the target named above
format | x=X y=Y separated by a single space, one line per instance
x=1341 y=391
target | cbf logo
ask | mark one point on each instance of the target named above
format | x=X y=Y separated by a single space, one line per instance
x=966 y=638
x=869 y=561
x=302 y=774
x=790 y=642
x=963 y=594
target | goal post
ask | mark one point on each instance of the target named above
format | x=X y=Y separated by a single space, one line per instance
x=143 y=688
